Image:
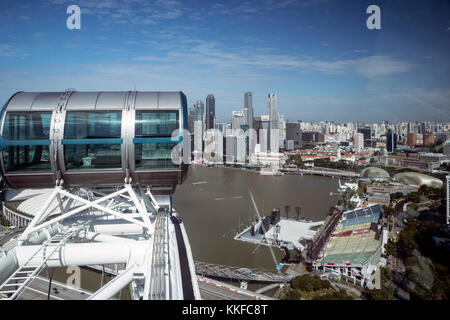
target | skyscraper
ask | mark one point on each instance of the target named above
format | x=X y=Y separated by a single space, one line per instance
x=199 y=129
x=367 y=132
x=192 y=118
x=294 y=134
x=210 y=111
x=248 y=103
x=358 y=142
x=411 y=139
x=273 y=123
x=391 y=141
x=200 y=111
x=237 y=119
x=272 y=110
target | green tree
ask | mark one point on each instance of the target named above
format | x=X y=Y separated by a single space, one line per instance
x=337 y=295
x=390 y=248
x=413 y=197
x=309 y=283
x=297 y=160
x=378 y=294
x=396 y=196
x=3 y=221
x=389 y=210
x=294 y=295
x=424 y=189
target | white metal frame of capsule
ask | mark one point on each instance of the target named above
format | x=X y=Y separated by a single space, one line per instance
x=129 y=208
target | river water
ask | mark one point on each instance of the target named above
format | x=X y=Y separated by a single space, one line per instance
x=212 y=202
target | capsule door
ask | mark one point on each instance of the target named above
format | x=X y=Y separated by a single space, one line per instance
x=91 y=148
x=151 y=162
x=26 y=149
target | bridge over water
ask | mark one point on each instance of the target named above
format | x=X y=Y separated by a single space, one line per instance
x=329 y=173
x=222 y=272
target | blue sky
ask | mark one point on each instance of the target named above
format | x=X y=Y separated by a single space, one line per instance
x=316 y=55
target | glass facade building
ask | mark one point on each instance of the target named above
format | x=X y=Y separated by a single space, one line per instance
x=210 y=111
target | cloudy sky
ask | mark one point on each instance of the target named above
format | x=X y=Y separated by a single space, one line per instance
x=317 y=55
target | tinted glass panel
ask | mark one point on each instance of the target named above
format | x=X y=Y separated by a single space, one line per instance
x=26 y=158
x=92 y=124
x=156 y=123
x=27 y=125
x=154 y=155
x=92 y=156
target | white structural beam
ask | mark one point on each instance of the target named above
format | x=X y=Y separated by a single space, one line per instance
x=38 y=217
x=143 y=212
x=81 y=254
x=33 y=227
x=176 y=283
x=191 y=263
x=100 y=237
x=101 y=208
x=116 y=227
x=154 y=202
x=114 y=286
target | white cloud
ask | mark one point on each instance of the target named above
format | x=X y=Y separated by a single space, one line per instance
x=229 y=86
x=39 y=34
x=7 y=50
x=376 y=66
x=247 y=9
x=230 y=60
x=139 y=12
x=355 y=51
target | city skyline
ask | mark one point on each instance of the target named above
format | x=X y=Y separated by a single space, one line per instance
x=318 y=56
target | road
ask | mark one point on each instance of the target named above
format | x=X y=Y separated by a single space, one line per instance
x=209 y=292
x=38 y=290
x=6 y=237
x=215 y=290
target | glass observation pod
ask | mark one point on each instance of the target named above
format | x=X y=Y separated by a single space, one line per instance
x=92 y=139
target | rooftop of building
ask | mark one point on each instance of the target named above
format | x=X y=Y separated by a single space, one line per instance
x=374 y=172
x=353 y=242
x=417 y=178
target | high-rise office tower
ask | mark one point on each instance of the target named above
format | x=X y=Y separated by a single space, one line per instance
x=192 y=117
x=367 y=132
x=248 y=103
x=358 y=142
x=428 y=138
x=237 y=119
x=411 y=139
x=272 y=110
x=391 y=141
x=210 y=111
x=198 y=128
x=294 y=133
x=200 y=111
x=274 y=142
x=263 y=134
